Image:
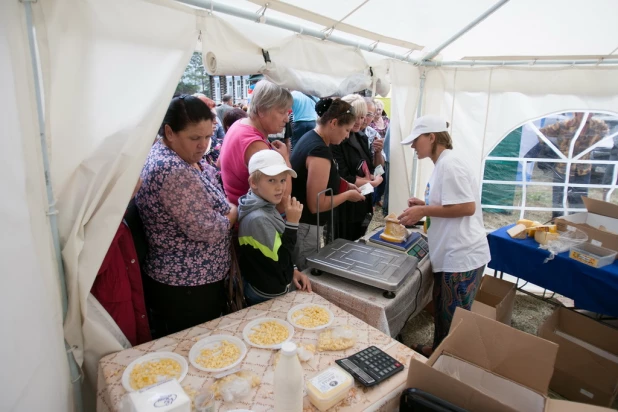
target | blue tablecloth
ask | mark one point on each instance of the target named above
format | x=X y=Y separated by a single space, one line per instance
x=592 y=289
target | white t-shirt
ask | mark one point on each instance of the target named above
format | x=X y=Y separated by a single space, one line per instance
x=455 y=244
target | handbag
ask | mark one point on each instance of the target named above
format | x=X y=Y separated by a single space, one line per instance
x=234 y=293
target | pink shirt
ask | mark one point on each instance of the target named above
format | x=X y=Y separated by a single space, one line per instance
x=234 y=171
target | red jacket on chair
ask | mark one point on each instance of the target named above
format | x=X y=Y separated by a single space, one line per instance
x=118 y=287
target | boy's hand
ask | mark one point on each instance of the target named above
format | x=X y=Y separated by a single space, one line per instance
x=301 y=281
x=293 y=209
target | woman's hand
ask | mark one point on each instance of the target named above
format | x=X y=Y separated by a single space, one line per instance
x=415 y=201
x=352 y=186
x=378 y=145
x=282 y=149
x=376 y=181
x=301 y=281
x=411 y=215
x=293 y=209
x=354 y=195
x=232 y=215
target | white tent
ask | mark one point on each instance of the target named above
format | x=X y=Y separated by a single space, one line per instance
x=106 y=72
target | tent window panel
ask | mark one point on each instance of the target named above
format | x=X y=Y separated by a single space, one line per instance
x=602 y=174
x=544 y=172
x=613 y=198
x=540 y=196
x=503 y=170
x=510 y=145
x=501 y=194
x=496 y=218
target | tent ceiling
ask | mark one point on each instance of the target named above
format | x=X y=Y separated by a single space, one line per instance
x=519 y=28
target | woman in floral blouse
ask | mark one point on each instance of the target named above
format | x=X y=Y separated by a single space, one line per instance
x=380 y=123
x=187 y=220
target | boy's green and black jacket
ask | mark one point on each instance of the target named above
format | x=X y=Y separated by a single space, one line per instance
x=266 y=245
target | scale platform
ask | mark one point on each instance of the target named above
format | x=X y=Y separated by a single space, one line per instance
x=378 y=267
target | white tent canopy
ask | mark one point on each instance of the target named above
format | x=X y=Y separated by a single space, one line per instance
x=108 y=70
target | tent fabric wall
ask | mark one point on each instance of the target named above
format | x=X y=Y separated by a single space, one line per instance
x=484 y=104
x=110 y=69
x=405 y=80
x=35 y=376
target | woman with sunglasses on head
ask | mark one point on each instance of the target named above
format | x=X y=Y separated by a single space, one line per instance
x=313 y=162
x=454 y=222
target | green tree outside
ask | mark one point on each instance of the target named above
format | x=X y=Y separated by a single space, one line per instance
x=195 y=79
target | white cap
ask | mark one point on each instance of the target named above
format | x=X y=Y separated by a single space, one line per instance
x=269 y=162
x=288 y=348
x=426 y=124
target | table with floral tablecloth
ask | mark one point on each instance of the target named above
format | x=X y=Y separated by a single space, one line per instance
x=260 y=361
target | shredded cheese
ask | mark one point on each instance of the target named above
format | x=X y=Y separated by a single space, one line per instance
x=327 y=342
x=311 y=317
x=269 y=333
x=220 y=356
x=149 y=373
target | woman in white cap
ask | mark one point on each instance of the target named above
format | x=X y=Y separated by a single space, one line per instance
x=454 y=223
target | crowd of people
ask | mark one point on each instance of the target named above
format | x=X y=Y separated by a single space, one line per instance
x=221 y=183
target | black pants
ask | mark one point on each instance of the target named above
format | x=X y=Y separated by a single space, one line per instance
x=574 y=194
x=176 y=308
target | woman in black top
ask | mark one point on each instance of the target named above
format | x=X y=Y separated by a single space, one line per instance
x=355 y=162
x=313 y=162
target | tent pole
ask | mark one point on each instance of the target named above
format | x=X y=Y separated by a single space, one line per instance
x=466 y=29
x=52 y=212
x=489 y=63
x=247 y=15
x=419 y=111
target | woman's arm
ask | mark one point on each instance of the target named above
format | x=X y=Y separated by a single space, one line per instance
x=415 y=213
x=318 y=169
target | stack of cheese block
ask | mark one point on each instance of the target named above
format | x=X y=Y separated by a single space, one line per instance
x=541 y=233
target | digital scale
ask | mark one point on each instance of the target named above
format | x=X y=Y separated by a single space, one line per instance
x=416 y=244
x=379 y=267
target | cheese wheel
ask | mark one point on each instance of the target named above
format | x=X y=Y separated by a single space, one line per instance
x=517 y=232
x=544 y=238
x=391 y=239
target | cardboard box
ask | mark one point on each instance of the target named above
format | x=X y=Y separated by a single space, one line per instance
x=484 y=365
x=495 y=299
x=586 y=368
x=599 y=214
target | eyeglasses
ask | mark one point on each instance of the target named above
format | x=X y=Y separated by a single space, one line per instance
x=370 y=114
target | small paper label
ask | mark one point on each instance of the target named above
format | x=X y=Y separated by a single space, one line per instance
x=586 y=393
x=366 y=189
x=328 y=380
x=596 y=242
x=378 y=171
x=571 y=229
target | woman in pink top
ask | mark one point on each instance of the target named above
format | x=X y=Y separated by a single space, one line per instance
x=268 y=114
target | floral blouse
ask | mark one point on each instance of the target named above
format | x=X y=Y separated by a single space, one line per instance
x=184 y=213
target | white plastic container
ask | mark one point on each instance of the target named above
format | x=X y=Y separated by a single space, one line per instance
x=329 y=387
x=592 y=255
x=288 y=381
x=166 y=396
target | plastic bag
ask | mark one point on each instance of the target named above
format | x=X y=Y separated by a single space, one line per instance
x=337 y=338
x=566 y=240
x=304 y=352
x=236 y=386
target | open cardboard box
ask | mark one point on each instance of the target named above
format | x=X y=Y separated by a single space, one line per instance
x=586 y=368
x=599 y=214
x=495 y=299
x=484 y=365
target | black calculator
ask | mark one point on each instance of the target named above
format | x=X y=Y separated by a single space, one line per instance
x=371 y=366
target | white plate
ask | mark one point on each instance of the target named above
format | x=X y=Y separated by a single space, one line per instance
x=306 y=305
x=247 y=331
x=209 y=343
x=155 y=356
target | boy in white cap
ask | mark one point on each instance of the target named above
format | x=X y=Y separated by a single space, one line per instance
x=454 y=222
x=266 y=240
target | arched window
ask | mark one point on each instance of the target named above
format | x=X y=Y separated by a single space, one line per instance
x=541 y=169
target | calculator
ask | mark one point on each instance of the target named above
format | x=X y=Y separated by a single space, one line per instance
x=371 y=366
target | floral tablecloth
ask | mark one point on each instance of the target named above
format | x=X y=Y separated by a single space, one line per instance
x=383 y=397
